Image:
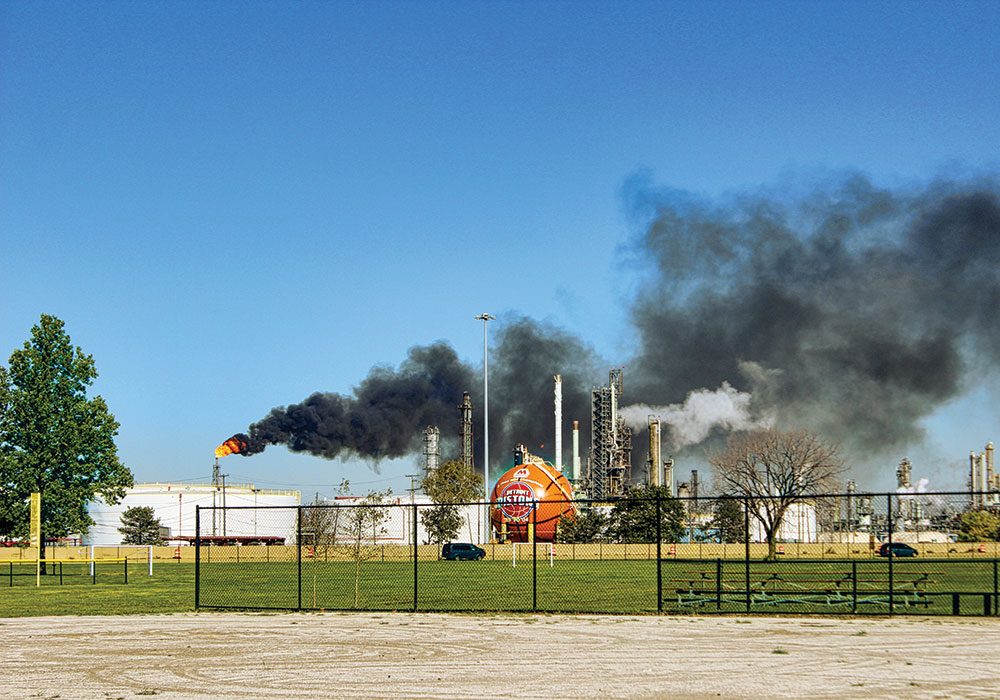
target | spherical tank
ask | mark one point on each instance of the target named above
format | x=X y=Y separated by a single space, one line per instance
x=533 y=493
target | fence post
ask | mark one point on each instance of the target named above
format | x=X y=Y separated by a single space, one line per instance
x=718 y=584
x=197 y=555
x=888 y=510
x=746 y=550
x=534 y=556
x=298 y=553
x=996 y=589
x=659 y=571
x=415 y=552
x=854 y=585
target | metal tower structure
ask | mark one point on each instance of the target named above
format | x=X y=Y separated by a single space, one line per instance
x=611 y=450
x=465 y=431
x=432 y=451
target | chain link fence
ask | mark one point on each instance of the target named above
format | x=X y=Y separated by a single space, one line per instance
x=847 y=553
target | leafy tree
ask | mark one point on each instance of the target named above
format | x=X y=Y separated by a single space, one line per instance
x=453 y=483
x=589 y=525
x=140 y=526
x=53 y=439
x=442 y=522
x=728 y=520
x=771 y=469
x=633 y=518
x=978 y=526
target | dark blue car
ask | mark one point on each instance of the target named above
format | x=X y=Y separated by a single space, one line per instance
x=898 y=549
x=462 y=550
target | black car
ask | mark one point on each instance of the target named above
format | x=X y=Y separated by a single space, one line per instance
x=462 y=550
x=898 y=550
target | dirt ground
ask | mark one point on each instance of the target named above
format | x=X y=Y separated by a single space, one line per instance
x=404 y=655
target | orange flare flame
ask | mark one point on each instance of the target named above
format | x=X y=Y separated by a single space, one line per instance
x=230 y=446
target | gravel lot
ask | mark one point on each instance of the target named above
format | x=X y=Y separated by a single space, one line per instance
x=404 y=655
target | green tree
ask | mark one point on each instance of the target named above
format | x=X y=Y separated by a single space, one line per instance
x=728 y=520
x=453 y=483
x=633 y=518
x=979 y=526
x=53 y=439
x=442 y=522
x=588 y=525
x=140 y=526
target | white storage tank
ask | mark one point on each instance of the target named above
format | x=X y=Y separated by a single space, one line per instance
x=174 y=504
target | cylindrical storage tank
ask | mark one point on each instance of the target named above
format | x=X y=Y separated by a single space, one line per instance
x=174 y=505
x=527 y=494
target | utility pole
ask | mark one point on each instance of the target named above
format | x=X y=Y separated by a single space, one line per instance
x=486 y=318
x=215 y=483
x=413 y=487
x=413 y=500
x=223 y=476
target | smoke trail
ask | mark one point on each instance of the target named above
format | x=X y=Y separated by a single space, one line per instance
x=691 y=423
x=388 y=411
x=383 y=418
x=855 y=311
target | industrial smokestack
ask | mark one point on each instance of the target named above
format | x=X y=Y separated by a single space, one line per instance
x=654 y=467
x=576 y=452
x=558 y=403
x=990 y=474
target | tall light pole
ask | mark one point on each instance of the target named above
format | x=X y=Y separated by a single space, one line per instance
x=486 y=318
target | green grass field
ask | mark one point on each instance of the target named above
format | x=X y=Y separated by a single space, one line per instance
x=921 y=586
x=691 y=586
x=170 y=589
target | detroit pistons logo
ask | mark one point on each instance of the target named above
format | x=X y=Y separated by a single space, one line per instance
x=516 y=501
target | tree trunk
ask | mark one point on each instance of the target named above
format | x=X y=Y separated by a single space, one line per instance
x=772 y=544
x=357 y=578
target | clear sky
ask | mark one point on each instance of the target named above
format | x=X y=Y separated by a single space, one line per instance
x=234 y=205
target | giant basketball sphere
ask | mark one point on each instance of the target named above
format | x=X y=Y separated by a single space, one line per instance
x=529 y=494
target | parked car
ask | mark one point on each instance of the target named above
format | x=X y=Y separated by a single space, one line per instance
x=899 y=549
x=462 y=550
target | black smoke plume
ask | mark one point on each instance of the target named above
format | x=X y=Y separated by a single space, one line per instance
x=385 y=416
x=383 y=419
x=853 y=310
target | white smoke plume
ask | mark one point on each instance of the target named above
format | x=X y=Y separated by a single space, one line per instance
x=693 y=421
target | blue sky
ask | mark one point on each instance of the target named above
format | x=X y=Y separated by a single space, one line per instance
x=234 y=205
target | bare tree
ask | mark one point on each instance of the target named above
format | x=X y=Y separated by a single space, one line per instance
x=358 y=524
x=771 y=469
